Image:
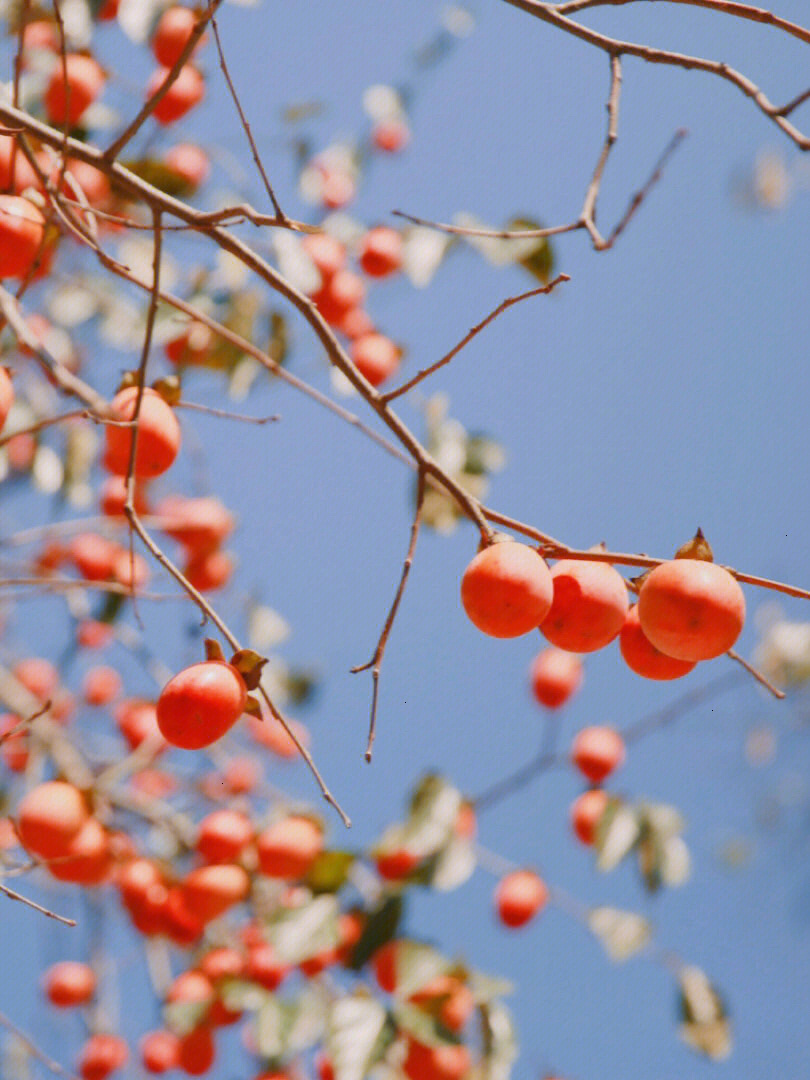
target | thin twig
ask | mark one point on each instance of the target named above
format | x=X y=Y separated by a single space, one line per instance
x=225 y=414
x=777 y=693
x=12 y=895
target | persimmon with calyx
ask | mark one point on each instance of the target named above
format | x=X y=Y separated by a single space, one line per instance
x=507 y=589
x=642 y=657
x=555 y=677
x=589 y=605
x=158 y=434
x=22 y=231
x=69 y=983
x=76 y=82
x=691 y=609
x=49 y=817
x=587 y=810
x=597 y=752
x=289 y=847
x=187 y=90
x=200 y=704
x=519 y=896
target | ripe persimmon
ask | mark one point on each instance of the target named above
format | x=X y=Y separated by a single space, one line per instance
x=449 y=1062
x=381 y=252
x=223 y=835
x=200 y=524
x=507 y=589
x=160 y=1051
x=189 y=162
x=691 y=609
x=209 y=891
x=187 y=90
x=519 y=896
x=289 y=847
x=175 y=27
x=69 y=983
x=200 y=704
x=101 y=1055
x=86 y=860
x=196 y=1051
x=589 y=606
x=597 y=752
x=6 y=395
x=587 y=810
x=76 y=82
x=158 y=434
x=555 y=676
x=642 y=657
x=22 y=231
x=326 y=251
x=49 y=817
x=375 y=356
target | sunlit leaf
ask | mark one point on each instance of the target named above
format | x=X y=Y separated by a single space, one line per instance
x=622 y=933
x=354 y=1029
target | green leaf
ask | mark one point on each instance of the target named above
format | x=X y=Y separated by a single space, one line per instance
x=329 y=871
x=301 y=932
x=181 y=1017
x=622 y=933
x=356 y=1035
x=416 y=966
x=159 y=175
x=421 y=1026
x=485 y=988
x=540 y=259
x=273 y=1020
x=381 y=927
x=239 y=996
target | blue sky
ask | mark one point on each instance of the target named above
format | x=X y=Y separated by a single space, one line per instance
x=664 y=387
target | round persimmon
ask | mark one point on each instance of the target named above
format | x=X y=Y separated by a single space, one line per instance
x=6 y=395
x=189 y=162
x=642 y=657
x=69 y=983
x=158 y=434
x=200 y=524
x=22 y=231
x=187 y=90
x=264 y=966
x=222 y=963
x=272 y=735
x=519 y=896
x=436 y=1062
x=209 y=891
x=200 y=704
x=93 y=556
x=87 y=859
x=223 y=836
x=49 y=817
x=384 y=966
x=160 y=1051
x=555 y=677
x=448 y=998
x=38 y=676
x=339 y=294
x=101 y=1055
x=391 y=135
x=175 y=27
x=506 y=589
x=381 y=252
x=326 y=251
x=210 y=571
x=196 y=1051
x=587 y=810
x=375 y=356
x=75 y=83
x=397 y=864
x=691 y=609
x=597 y=752
x=289 y=847
x=137 y=721
x=589 y=606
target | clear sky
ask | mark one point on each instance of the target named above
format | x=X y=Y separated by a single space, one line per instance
x=664 y=387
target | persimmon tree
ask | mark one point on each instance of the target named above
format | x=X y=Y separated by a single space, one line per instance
x=150 y=786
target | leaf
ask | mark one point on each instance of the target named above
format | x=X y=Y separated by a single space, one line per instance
x=499 y=1042
x=240 y=996
x=486 y=987
x=423 y=1027
x=617 y=835
x=455 y=864
x=354 y=1039
x=301 y=932
x=705 y=1025
x=622 y=933
x=434 y=808
x=416 y=966
x=159 y=175
x=381 y=927
x=181 y=1017
x=540 y=260
x=308 y=1025
x=329 y=871
x=272 y=1022
x=676 y=864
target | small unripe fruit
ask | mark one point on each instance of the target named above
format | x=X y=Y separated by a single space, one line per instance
x=519 y=896
x=587 y=810
x=589 y=606
x=691 y=609
x=555 y=676
x=200 y=704
x=158 y=434
x=642 y=657
x=506 y=589
x=597 y=752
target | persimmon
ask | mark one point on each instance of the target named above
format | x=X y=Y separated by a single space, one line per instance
x=16 y=171
x=158 y=434
x=69 y=983
x=135 y=880
x=507 y=589
x=101 y=1055
x=199 y=524
x=436 y=1062
x=75 y=83
x=182 y=924
x=200 y=704
x=381 y=252
x=187 y=90
x=210 y=571
x=209 y=891
x=49 y=817
x=449 y=998
x=338 y=189
x=587 y=810
x=86 y=860
x=14 y=748
x=642 y=657
x=93 y=556
x=38 y=676
x=338 y=294
x=519 y=896
x=160 y=1051
x=6 y=395
x=375 y=356
x=222 y=963
x=597 y=752
x=191 y=987
x=391 y=134
x=108 y=10
x=93 y=634
x=114 y=495
x=129 y=568
x=264 y=966
x=22 y=231
x=189 y=162
x=691 y=609
x=326 y=251
x=589 y=605
x=356 y=323
x=289 y=847
x=555 y=677
x=271 y=734
x=384 y=966
x=41 y=34
x=137 y=721
x=101 y=685
x=397 y=864
x=175 y=27
x=223 y=835
x=196 y=1051
x=193 y=346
